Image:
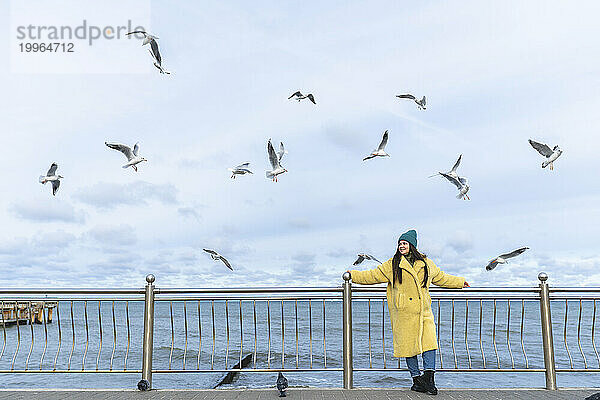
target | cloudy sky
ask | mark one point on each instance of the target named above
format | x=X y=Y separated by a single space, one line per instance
x=495 y=74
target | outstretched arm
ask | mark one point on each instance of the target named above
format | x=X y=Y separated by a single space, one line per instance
x=376 y=275
x=440 y=278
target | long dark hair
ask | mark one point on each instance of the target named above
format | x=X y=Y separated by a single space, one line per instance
x=412 y=256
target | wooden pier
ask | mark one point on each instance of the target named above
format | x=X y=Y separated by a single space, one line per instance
x=300 y=394
x=26 y=312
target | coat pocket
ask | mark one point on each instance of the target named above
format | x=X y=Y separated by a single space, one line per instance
x=400 y=301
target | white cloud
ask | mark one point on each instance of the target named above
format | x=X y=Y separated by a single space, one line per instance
x=460 y=242
x=189 y=212
x=53 y=210
x=122 y=235
x=105 y=195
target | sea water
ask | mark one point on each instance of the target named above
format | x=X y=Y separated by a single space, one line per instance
x=309 y=337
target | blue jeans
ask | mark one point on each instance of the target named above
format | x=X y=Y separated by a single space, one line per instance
x=428 y=363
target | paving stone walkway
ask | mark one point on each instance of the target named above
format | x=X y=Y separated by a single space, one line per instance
x=298 y=394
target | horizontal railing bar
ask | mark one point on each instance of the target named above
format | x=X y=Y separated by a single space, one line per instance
x=567 y=297
x=359 y=297
x=266 y=290
x=434 y=289
x=69 y=291
x=57 y=299
x=265 y=298
x=490 y=297
x=165 y=371
x=457 y=369
x=578 y=370
x=577 y=289
x=70 y=371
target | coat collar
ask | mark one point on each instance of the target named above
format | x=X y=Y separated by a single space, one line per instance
x=404 y=264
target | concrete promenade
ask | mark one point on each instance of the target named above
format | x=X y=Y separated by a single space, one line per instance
x=298 y=394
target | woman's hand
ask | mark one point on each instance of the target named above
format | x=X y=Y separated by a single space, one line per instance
x=466 y=284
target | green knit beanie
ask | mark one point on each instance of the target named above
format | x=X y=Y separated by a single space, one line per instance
x=410 y=237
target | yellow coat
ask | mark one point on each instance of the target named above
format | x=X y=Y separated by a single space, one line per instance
x=409 y=303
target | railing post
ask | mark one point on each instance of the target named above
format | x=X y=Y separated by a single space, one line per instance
x=146 y=382
x=546 y=320
x=347 y=322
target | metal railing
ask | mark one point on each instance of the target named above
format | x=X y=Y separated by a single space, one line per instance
x=292 y=329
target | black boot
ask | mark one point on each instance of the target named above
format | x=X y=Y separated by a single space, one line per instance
x=429 y=382
x=418 y=384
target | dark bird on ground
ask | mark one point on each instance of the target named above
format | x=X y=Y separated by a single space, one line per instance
x=52 y=177
x=362 y=257
x=420 y=103
x=502 y=258
x=299 y=96
x=282 y=384
x=550 y=154
x=380 y=150
x=217 y=257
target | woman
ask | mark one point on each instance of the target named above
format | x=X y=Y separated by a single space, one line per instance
x=408 y=275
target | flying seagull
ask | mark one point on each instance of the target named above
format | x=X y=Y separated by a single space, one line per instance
x=147 y=37
x=420 y=103
x=379 y=151
x=52 y=177
x=461 y=185
x=217 y=257
x=550 y=154
x=502 y=258
x=241 y=169
x=362 y=257
x=299 y=96
x=282 y=384
x=132 y=156
x=281 y=151
x=274 y=159
x=154 y=52
x=452 y=172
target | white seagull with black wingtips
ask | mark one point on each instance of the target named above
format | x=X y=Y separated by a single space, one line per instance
x=241 y=169
x=132 y=155
x=550 y=154
x=217 y=257
x=299 y=96
x=154 y=52
x=277 y=169
x=461 y=185
x=502 y=258
x=380 y=150
x=362 y=257
x=52 y=177
x=452 y=172
x=420 y=103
